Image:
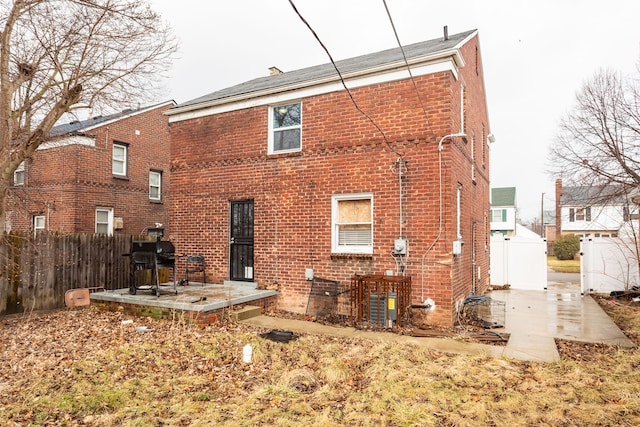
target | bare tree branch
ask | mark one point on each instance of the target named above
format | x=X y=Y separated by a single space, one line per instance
x=57 y=56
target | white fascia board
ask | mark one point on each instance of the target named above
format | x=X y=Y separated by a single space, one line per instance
x=450 y=62
x=69 y=140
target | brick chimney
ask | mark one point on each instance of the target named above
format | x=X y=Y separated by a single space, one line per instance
x=558 y=210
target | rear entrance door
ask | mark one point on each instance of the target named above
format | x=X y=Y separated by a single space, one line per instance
x=241 y=241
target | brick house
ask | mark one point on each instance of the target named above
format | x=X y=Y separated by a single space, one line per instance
x=106 y=174
x=281 y=180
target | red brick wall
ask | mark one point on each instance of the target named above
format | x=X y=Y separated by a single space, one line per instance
x=223 y=157
x=67 y=183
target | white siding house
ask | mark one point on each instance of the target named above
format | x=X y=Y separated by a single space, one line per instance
x=502 y=215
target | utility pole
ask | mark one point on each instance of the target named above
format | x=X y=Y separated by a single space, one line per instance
x=542 y=215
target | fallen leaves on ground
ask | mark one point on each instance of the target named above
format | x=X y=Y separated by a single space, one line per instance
x=87 y=367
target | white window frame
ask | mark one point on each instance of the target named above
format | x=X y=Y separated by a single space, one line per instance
x=39 y=223
x=158 y=174
x=109 y=222
x=336 y=247
x=119 y=160
x=18 y=175
x=272 y=130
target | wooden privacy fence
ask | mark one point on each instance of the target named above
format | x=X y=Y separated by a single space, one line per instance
x=35 y=272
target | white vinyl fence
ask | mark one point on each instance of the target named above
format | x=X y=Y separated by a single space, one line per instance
x=520 y=262
x=608 y=264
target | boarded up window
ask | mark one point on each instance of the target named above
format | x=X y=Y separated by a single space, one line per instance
x=354 y=222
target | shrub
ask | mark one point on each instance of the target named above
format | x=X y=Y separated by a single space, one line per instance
x=566 y=247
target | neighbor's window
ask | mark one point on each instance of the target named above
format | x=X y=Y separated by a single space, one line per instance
x=119 y=163
x=285 y=128
x=104 y=220
x=352 y=223
x=18 y=175
x=628 y=214
x=579 y=214
x=38 y=223
x=155 y=185
x=498 y=215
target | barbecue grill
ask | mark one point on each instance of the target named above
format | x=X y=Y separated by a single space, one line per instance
x=151 y=255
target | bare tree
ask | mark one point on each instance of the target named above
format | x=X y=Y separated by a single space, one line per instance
x=599 y=141
x=598 y=147
x=58 y=56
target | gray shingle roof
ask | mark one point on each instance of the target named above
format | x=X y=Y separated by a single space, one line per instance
x=587 y=195
x=79 y=125
x=505 y=196
x=345 y=66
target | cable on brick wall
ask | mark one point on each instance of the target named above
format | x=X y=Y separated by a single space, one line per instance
x=344 y=84
x=415 y=86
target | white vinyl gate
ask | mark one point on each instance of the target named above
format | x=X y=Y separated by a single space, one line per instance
x=608 y=264
x=520 y=262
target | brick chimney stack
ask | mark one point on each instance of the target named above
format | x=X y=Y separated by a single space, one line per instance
x=558 y=210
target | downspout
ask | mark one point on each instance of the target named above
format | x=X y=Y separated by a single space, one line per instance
x=440 y=147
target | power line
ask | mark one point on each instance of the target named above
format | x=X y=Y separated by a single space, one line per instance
x=295 y=9
x=415 y=86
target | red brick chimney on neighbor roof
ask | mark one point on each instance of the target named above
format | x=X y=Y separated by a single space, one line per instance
x=558 y=196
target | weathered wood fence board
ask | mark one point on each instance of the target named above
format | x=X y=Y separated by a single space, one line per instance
x=35 y=272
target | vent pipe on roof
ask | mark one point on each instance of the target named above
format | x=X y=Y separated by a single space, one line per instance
x=274 y=71
x=446 y=33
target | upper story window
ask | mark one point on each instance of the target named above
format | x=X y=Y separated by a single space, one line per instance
x=18 y=175
x=579 y=214
x=629 y=214
x=352 y=223
x=285 y=128
x=119 y=159
x=155 y=186
x=498 y=215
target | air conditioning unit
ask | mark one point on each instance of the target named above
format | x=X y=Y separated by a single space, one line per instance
x=382 y=309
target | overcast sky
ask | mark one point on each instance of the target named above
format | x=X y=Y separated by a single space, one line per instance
x=536 y=56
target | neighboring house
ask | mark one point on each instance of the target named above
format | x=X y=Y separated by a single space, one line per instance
x=503 y=211
x=101 y=175
x=281 y=180
x=593 y=211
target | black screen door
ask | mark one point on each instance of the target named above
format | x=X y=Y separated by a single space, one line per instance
x=241 y=241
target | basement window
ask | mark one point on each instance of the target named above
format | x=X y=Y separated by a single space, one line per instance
x=352 y=223
x=285 y=128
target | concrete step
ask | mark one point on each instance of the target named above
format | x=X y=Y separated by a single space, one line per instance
x=246 y=312
x=253 y=285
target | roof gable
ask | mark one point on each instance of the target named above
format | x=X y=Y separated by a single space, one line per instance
x=350 y=66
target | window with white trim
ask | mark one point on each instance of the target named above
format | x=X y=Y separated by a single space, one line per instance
x=38 y=223
x=104 y=221
x=285 y=128
x=352 y=223
x=498 y=215
x=18 y=175
x=155 y=185
x=119 y=159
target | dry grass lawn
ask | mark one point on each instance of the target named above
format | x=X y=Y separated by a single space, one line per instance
x=85 y=367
